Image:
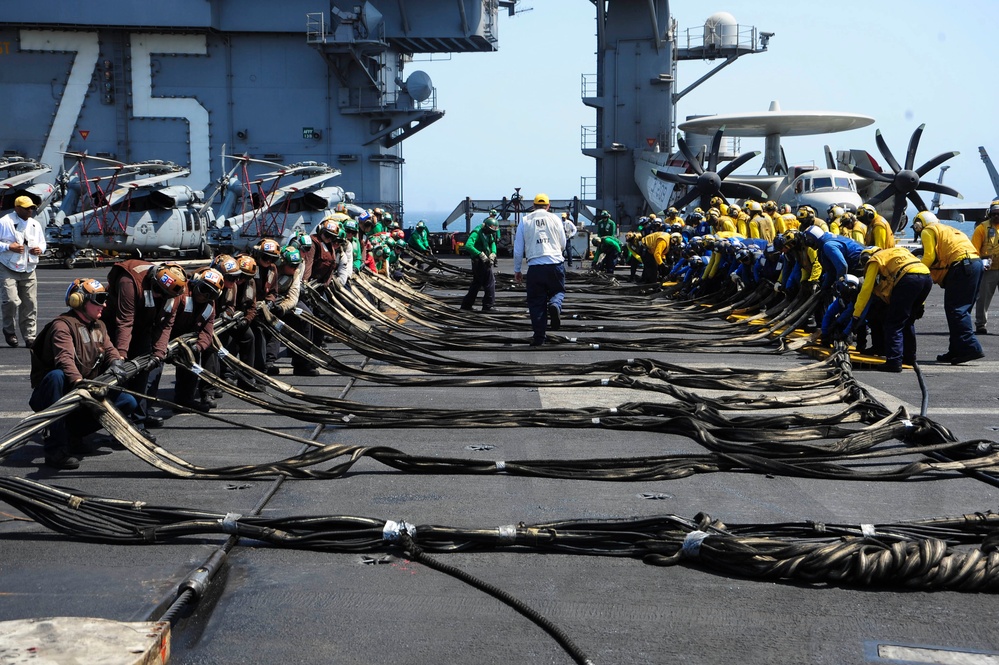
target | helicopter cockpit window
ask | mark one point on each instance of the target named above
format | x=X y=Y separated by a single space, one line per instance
x=822 y=183
x=139 y=202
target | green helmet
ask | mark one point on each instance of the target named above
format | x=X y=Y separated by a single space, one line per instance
x=290 y=256
x=492 y=223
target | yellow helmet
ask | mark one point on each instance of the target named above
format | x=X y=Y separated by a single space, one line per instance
x=922 y=220
x=866 y=254
x=806 y=214
x=866 y=213
x=541 y=200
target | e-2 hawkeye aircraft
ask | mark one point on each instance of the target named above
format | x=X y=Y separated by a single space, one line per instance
x=853 y=178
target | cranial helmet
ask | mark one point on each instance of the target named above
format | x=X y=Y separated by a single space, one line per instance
x=170 y=278
x=492 y=223
x=994 y=209
x=866 y=254
x=922 y=220
x=207 y=283
x=847 y=286
x=806 y=215
x=247 y=266
x=290 y=256
x=269 y=249
x=812 y=235
x=85 y=290
x=226 y=265
x=755 y=206
x=866 y=213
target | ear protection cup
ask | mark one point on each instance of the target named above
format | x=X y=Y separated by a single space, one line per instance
x=74 y=295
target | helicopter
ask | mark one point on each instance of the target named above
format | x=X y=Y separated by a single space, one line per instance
x=269 y=206
x=19 y=181
x=131 y=211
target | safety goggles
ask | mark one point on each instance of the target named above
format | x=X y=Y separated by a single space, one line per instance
x=100 y=298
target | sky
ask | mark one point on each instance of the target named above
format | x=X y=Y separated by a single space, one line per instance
x=513 y=117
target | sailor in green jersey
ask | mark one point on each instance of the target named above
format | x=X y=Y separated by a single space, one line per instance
x=420 y=238
x=605 y=225
x=481 y=246
x=607 y=248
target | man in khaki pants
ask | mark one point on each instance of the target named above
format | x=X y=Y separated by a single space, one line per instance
x=22 y=241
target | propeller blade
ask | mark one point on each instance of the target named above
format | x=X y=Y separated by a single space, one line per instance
x=830 y=162
x=883 y=147
x=935 y=162
x=910 y=155
x=736 y=163
x=678 y=178
x=881 y=196
x=686 y=199
x=872 y=175
x=917 y=200
x=741 y=190
x=715 y=147
x=939 y=188
x=691 y=159
x=896 y=215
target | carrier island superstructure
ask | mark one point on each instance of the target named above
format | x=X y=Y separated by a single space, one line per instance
x=302 y=80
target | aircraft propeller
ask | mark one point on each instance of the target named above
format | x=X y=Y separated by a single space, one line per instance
x=905 y=182
x=708 y=182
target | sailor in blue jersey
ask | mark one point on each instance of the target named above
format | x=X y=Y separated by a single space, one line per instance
x=540 y=238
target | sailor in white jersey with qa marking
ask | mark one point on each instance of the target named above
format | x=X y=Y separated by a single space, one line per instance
x=541 y=240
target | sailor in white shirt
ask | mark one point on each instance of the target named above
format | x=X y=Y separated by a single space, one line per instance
x=22 y=241
x=540 y=238
x=570 y=233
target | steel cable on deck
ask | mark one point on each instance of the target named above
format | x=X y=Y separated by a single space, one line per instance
x=958 y=554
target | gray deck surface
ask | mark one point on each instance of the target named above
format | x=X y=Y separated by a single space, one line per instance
x=277 y=605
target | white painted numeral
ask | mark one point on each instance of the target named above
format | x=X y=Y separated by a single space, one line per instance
x=87 y=50
x=144 y=105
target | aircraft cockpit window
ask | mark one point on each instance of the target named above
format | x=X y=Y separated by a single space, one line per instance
x=845 y=183
x=799 y=186
x=822 y=183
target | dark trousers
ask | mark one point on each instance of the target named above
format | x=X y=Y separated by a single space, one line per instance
x=482 y=278
x=77 y=424
x=960 y=292
x=650 y=269
x=545 y=285
x=240 y=343
x=904 y=306
x=273 y=350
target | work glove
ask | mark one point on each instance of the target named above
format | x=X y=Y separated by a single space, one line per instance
x=123 y=371
x=240 y=326
x=484 y=258
x=492 y=258
x=778 y=287
x=154 y=362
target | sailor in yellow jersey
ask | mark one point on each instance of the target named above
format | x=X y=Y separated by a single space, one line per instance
x=851 y=228
x=740 y=219
x=720 y=222
x=806 y=217
x=902 y=282
x=790 y=220
x=879 y=233
x=986 y=241
x=955 y=265
x=760 y=224
x=833 y=219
